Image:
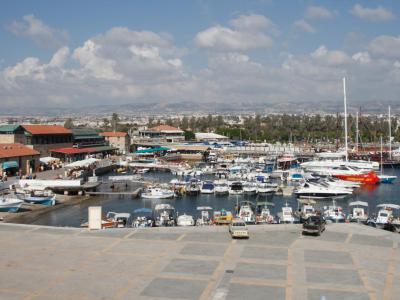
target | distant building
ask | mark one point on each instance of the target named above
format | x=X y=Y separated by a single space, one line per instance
x=45 y=138
x=87 y=137
x=12 y=134
x=210 y=137
x=119 y=140
x=163 y=133
x=15 y=157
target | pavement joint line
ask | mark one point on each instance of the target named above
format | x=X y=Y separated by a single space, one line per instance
x=197 y=257
x=349 y=236
x=130 y=234
x=364 y=280
x=181 y=237
x=289 y=276
x=336 y=287
x=266 y=262
x=258 y=282
x=388 y=289
x=218 y=273
x=183 y=276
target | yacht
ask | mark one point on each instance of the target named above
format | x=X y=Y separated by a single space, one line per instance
x=266 y=188
x=221 y=187
x=250 y=188
x=164 y=215
x=236 y=188
x=185 y=220
x=193 y=187
x=10 y=204
x=358 y=212
x=158 y=193
x=207 y=187
x=246 y=212
x=318 y=191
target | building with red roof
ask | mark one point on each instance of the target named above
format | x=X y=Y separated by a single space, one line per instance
x=163 y=133
x=15 y=157
x=117 y=139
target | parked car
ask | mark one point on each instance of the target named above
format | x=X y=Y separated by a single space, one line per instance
x=314 y=225
x=238 y=229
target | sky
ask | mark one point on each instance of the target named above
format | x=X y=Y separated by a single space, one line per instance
x=87 y=53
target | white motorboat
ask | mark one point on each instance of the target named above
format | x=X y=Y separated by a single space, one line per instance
x=158 y=193
x=328 y=164
x=205 y=216
x=318 y=191
x=207 y=187
x=358 y=211
x=246 y=212
x=334 y=214
x=10 y=204
x=250 y=188
x=336 y=182
x=221 y=187
x=385 y=217
x=307 y=209
x=164 y=215
x=120 y=219
x=236 y=188
x=185 y=220
x=194 y=187
x=287 y=216
x=266 y=188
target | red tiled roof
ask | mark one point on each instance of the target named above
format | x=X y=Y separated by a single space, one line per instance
x=114 y=134
x=164 y=128
x=16 y=150
x=46 y=129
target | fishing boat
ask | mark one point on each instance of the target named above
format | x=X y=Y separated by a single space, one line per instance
x=185 y=220
x=334 y=213
x=28 y=198
x=157 y=193
x=358 y=212
x=9 y=204
x=120 y=219
x=142 y=217
x=287 y=216
x=205 y=216
x=307 y=209
x=263 y=213
x=164 y=215
x=193 y=187
x=385 y=218
x=246 y=212
x=222 y=217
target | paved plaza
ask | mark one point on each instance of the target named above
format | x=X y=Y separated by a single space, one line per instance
x=349 y=261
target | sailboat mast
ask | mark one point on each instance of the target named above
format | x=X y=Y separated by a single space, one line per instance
x=381 y=156
x=345 y=118
x=357 y=133
x=390 y=136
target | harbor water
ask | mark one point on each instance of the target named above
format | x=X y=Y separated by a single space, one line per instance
x=74 y=215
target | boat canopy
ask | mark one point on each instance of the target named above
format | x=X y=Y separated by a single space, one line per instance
x=152 y=150
x=389 y=205
x=265 y=203
x=82 y=163
x=204 y=208
x=361 y=203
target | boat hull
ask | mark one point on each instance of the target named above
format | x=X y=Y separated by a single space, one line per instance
x=369 y=178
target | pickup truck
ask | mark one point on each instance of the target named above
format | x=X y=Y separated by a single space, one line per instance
x=314 y=225
x=238 y=229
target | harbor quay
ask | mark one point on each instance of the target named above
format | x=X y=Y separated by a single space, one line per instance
x=348 y=261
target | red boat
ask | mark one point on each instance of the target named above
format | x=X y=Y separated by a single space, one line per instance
x=369 y=178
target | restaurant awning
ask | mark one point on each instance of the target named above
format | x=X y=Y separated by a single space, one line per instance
x=152 y=150
x=10 y=164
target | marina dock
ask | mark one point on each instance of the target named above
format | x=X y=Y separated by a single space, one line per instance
x=348 y=261
x=134 y=194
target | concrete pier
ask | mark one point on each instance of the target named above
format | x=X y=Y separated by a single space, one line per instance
x=349 y=261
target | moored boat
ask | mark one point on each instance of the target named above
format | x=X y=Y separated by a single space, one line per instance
x=10 y=204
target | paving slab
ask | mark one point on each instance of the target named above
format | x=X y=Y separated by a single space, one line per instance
x=261 y=271
x=314 y=294
x=217 y=237
x=174 y=288
x=329 y=257
x=255 y=292
x=326 y=275
x=155 y=236
x=371 y=240
x=265 y=253
x=276 y=238
x=203 y=249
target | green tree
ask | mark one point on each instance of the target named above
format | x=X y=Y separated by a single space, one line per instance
x=68 y=123
x=114 y=121
x=189 y=135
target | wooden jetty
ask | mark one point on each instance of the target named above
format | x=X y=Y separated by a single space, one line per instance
x=134 y=194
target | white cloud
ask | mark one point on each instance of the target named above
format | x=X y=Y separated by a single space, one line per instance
x=330 y=57
x=362 y=57
x=60 y=57
x=248 y=32
x=318 y=12
x=36 y=30
x=305 y=26
x=372 y=14
x=385 y=46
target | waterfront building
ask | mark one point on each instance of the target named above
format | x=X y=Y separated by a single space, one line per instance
x=44 y=138
x=163 y=133
x=210 y=137
x=15 y=157
x=119 y=140
x=12 y=133
x=87 y=137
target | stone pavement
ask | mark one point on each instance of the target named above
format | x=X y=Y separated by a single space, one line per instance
x=349 y=261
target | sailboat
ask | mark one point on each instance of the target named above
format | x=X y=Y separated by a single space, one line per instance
x=382 y=177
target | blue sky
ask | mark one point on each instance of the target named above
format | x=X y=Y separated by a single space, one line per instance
x=212 y=51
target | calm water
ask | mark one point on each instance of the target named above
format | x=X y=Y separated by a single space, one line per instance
x=76 y=214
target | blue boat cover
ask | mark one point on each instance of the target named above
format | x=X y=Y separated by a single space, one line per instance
x=10 y=164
